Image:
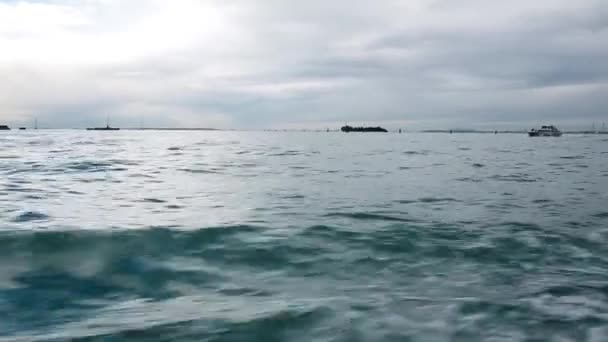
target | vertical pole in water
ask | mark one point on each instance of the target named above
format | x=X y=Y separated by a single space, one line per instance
x=35 y=123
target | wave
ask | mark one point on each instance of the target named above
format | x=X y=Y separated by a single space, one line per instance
x=153 y=200
x=286 y=153
x=60 y=276
x=517 y=177
x=542 y=201
x=415 y=153
x=89 y=264
x=192 y=318
x=174 y=206
x=406 y=201
x=211 y=171
x=142 y=262
x=602 y=215
x=469 y=179
x=95 y=166
x=436 y=200
x=369 y=216
x=234 y=282
x=295 y=196
x=30 y=216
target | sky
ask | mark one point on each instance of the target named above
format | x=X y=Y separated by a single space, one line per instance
x=304 y=64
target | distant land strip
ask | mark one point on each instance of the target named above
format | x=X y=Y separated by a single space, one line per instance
x=172 y=129
x=455 y=131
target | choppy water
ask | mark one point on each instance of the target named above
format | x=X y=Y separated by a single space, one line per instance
x=234 y=236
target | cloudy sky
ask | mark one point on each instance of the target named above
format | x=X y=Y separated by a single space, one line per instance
x=314 y=63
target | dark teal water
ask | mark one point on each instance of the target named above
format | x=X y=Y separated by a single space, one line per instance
x=236 y=236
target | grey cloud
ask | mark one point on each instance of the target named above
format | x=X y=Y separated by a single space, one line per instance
x=317 y=62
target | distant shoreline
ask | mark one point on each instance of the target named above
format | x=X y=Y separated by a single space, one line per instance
x=443 y=131
x=173 y=129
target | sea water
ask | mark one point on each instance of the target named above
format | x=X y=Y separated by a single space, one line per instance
x=262 y=236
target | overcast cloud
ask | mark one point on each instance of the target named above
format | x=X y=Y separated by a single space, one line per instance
x=314 y=63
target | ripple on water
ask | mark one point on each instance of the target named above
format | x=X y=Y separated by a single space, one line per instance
x=406 y=201
x=542 y=201
x=415 y=153
x=202 y=171
x=293 y=197
x=602 y=215
x=516 y=177
x=13 y=187
x=34 y=197
x=94 y=166
x=469 y=179
x=29 y=216
x=139 y=175
x=153 y=200
x=369 y=217
x=286 y=153
x=174 y=206
x=436 y=199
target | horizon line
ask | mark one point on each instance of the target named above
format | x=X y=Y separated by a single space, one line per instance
x=320 y=130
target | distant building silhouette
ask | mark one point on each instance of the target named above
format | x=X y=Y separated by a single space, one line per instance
x=348 y=129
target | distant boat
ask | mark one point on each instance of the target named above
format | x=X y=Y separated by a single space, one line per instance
x=545 y=131
x=4 y=128
x=22 y=128
x=107 y=128
x=348 y=129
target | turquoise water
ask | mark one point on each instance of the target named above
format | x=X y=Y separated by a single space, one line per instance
x=251 y=236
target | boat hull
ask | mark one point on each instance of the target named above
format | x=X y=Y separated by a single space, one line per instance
x=545 y=134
